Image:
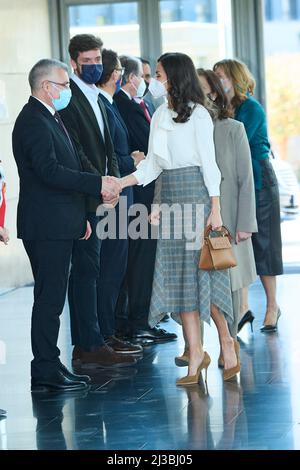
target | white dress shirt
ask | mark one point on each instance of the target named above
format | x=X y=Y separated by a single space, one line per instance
x=179 y=145
x=51 y=110
x=126 y=93
x=91 y=93
x=106 y=95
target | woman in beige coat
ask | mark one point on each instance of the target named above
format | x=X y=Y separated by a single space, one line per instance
x=237 y=194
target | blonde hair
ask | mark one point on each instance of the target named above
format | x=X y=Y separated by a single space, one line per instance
x=242 y=79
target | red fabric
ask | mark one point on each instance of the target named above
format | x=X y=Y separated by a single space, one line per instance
x=2 y=207
x=146 y=112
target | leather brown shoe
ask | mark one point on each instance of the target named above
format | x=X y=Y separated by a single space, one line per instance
x=103 y=357
x=123 y=347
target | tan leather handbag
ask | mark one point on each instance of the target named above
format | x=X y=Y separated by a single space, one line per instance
x=217 y=252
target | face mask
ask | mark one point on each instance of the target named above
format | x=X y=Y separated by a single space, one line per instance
x=140 y=90
x=225 y=88
x=157 y=88
x=91 y=73
x=63 y=100
x=118 y=85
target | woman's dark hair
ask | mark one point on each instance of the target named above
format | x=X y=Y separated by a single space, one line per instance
x=183 y=84
x=83 y=43
x=109 y=62
x=220 y=104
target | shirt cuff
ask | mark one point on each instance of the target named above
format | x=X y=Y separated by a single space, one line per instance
x=139 y=176
x=214 y=191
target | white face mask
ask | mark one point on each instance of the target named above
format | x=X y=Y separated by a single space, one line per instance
x=225 y=88
x=157 y=88
x=140 y=90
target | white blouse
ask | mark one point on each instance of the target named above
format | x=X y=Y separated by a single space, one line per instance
x=178 y=145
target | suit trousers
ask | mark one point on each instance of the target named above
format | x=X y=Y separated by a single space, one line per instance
x=113 y=266
x=134 y=300
x=82 y=292
x=50 y=262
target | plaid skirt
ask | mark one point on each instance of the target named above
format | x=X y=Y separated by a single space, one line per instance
x=178 y=284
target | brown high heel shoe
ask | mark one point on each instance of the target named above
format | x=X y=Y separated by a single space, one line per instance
x=194 y=379
x=183 y=361
x=221 y=361
x=229 y=373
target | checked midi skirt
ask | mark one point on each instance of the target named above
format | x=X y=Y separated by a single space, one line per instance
x=178 y=284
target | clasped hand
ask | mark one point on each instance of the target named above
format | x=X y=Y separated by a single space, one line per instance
x=110 y=191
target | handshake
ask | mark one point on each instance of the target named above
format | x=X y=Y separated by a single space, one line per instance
x=110 y=191
x=112 y=186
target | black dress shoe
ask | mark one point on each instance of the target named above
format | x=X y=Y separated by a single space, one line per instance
x=77 y=378
x=56 y=383
x=248 y=317
x=165 y=318
x=156 y=334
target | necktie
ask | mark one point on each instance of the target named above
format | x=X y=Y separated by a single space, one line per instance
x=146 y=112
x=60 y=122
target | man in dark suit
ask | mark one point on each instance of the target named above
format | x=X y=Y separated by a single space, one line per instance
x=141 y=255
x=86 y=120
x=114 y=250
x=51 y=214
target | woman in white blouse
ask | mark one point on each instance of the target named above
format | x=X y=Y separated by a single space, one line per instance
x=181 y=149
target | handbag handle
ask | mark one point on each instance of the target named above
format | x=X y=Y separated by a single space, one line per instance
x=224 y=231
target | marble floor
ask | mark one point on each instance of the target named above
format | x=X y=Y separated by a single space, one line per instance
x=141 y=408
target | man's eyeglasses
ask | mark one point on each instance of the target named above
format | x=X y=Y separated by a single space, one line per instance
x=64 y=85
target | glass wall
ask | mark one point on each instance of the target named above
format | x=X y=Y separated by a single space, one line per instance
x=282 y=59
x=117 y=24
x=282 y=62
x=199 y=28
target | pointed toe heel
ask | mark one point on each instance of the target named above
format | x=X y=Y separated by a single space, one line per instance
x=247 y=318
x=194 y=379
x=230 y=373
x=271 y=328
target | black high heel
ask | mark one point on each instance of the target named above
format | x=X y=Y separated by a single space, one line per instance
x=271 y=328
x=248 y=317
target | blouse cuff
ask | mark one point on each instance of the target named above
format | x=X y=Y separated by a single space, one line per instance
x=214 y=191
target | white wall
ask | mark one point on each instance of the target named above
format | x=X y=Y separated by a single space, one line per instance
x=24 y=39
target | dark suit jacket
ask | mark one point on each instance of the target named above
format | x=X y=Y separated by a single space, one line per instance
x=139 y=130
x=52 y=204
x=80 y=120
x=135 y=120
x=120 y=137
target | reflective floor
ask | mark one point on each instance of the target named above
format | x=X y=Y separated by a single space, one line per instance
x=141 y=408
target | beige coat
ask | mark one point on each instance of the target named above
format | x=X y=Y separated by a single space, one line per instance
x=237 y=195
